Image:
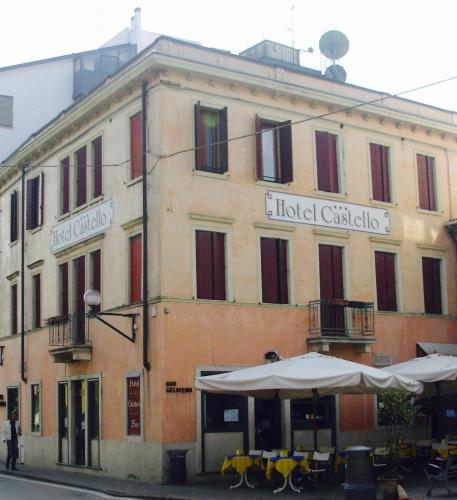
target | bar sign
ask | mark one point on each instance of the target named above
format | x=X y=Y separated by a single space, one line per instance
x=133 y=406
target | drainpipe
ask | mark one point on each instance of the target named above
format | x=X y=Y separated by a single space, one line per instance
x=23 y=377
x=144 y=94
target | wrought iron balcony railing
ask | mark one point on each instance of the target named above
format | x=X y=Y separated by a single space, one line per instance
x=68 y=330
x=345 y=318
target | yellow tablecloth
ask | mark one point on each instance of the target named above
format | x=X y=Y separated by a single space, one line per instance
x=239 y=463
x=445 y=452
x=285 y=466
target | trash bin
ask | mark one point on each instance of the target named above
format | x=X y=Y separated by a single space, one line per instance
x=360 y=479
x=177 y=466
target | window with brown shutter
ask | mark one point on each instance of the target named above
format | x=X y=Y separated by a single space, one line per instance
x=34 y=201
x=426 y=182
x=380 y=172
x=14 y=309
x=79 y=287
x=273 y=151
x=275 y=283
x=97 y=162
x=13 y=216
x=65 y=185
x=36 y=290
x=385 y=281
x=211 y=147
x=81 y=176
x=63 y=286
x=431 y=276
x=210 y=265
x=135 y=243
x=136 y=146
x=327 y=162
x=95 y=271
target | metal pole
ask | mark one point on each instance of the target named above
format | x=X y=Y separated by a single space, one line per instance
x=315 y=398
x=23 y=377
x=144 y=94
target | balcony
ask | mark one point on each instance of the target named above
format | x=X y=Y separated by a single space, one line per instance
x=69 y=338
x=341 y=322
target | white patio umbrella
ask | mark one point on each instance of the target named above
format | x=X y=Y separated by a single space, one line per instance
x=305 y=376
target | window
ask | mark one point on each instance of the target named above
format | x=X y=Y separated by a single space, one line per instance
x=386 y=281
x=14 y=309
x=95 y=273
x=2 y=354
x=327 y=162
x=6 y=111
x=431 y=276
x=274 y=151
x=211 y=152
x=426 y=182
x=97 y=169
x=81 y=176
x=13 y=216
x=210 y=265
x=136 y=146
x=79 y=307
x=275 y=283
x=63 y=287
x=135 y=268
x=35 y=201
x=65 y=185
x=35 y=407
x=380 y=172
x=36 y=301
x=93 y=419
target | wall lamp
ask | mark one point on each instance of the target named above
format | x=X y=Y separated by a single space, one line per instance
x=93 y=299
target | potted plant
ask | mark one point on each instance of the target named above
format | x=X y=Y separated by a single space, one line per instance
x=396 y=409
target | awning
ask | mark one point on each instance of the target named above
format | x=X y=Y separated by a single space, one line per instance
x=434 y=347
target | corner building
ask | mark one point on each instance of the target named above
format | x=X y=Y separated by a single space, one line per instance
x=283 y=215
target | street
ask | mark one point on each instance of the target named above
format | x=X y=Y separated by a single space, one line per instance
x=17 y=488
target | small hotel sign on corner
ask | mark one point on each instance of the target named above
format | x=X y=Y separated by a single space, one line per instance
x=82 y=226
x=328 y=213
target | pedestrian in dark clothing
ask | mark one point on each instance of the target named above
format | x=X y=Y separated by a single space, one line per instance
x=11 y=431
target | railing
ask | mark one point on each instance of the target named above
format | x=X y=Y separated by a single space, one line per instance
x=68 y=330
x=340 y=317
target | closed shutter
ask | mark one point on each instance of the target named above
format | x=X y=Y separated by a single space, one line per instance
x=97 y=159
x=219 y=291
x=135 y=268
x=81 y=176
x=200 y=152
x=283 y=285
x=40 y=198
x=268 y=253
x=258 y=148
x=285 y=151
x=13 y=216
x=80 y=307
x=14 y=310
x=385 y=174
x=331 y=288
x=431 y=276
x=37 y=301
x=327 y=162
x=63 y=272
x=204 y=264
x=223 y=144
x=96 y=273
x=376 y=171
x=431 y=183
x=426 y=182
x=386 y=281
x=136 y=145
x=65 y=192
x=30 y=215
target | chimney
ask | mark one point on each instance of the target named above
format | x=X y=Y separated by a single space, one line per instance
x=135 y=29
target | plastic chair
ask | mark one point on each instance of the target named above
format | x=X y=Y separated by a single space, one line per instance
x=257 y=453
x=320 y=464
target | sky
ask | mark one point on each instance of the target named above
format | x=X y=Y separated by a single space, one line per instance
x=394 y=45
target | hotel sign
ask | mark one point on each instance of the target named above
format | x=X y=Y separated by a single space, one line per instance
x=328 y=213
x=82 y=226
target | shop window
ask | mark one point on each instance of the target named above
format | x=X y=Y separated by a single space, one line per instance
x=13 y=216
x=93 y=416
x=386 y=286
x=380 y=172
x=35 y=407
x=210 y=265
x=275 y=287
x=12 y=401
x=136 y=146
x=135 y=243
x=211 y=151
x=224 y=413
x=327 y=162
x=303 y=415
x=65 y=185
x=36 y=301
x=431 y=276
x=274 y=151
x=14 y=309
x=81 y=176
x=426 y=182
x=62 y=402
x=35 y=201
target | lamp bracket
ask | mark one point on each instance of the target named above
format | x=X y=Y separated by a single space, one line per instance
x=132 y=316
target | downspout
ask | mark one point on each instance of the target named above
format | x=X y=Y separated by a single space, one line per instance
x=23 y=377
x=144 y=94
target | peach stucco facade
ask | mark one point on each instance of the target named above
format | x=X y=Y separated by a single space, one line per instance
x=188 y=335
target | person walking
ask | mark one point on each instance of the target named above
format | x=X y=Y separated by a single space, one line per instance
x=11 y=431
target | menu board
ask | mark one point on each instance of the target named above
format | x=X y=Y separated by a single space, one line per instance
x=133 y=406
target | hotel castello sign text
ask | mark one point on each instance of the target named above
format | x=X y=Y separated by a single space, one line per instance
x=82 y=226
x=328 y=213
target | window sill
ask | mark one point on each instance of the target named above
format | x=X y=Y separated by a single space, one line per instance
x=132 y=182
x=13 y=243
x=79 y=209
x=436 y=213
x=63 y=216
x=97 y=199
x=387 y=204
x=275 y=185
x=36 y=229
x=329 y=195
x=214 y=175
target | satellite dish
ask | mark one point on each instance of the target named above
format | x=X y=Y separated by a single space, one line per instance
x=334 y=44
x=336 y=73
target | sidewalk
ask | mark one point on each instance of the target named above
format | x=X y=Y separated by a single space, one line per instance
x=205 y=486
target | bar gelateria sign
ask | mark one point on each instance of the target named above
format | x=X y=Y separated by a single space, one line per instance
x=82 y=226
x=328 y=213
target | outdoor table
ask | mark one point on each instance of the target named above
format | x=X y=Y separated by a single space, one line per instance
x=285 y=466
x=445 y=452
x=241 y=464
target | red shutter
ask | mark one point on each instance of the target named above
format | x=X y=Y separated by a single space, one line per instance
x=385 y=176
x=422 y=181
x=376 y=171
x=223 y=144
x=135 y=268
x=81 y=170
x=268 y=254
x=338 y=285
x=386 y=281
x=285 y=151
x=430 y=166
x=13 y=216
x=333 y=163
x=331 y=287
x=65 y=193
x=326 y=272
x=30 y=217
x=40 y=198
x=136 y=146
x=96 y=273
x=283 y=285
x=258 y=148
x=199 y=138
x=37 y=301
x=63 y=271
x=97 y=159
x=14 y=310
x=432 y=285
x=327 y=162
x=204 y=264
x=219 y=291
x=80 y=307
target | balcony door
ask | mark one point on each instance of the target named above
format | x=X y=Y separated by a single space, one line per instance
x=79 y=306
x=331 y=289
